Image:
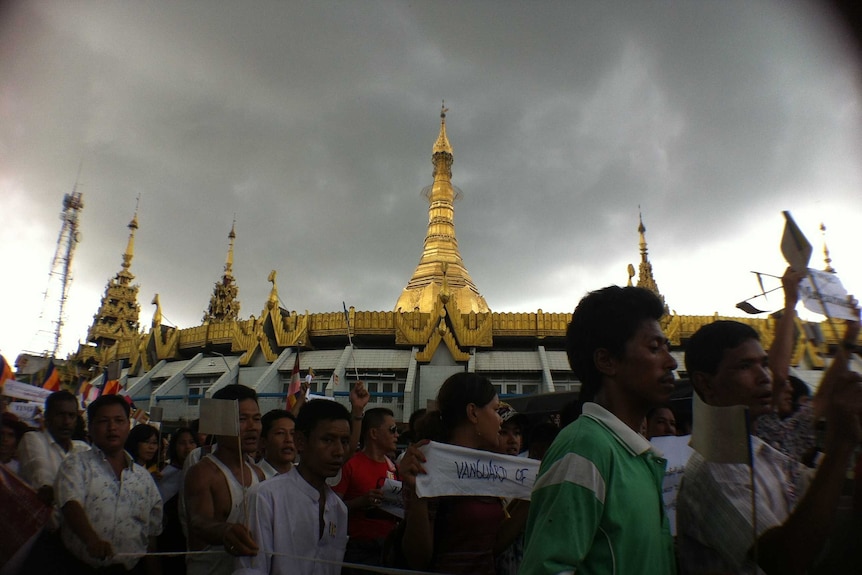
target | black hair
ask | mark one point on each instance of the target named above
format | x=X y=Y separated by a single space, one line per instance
x=235 y=391
x=58 y=397
x=374 y=418
x=104 y=401
x=175 y=439
x=703 y=352
x=457 y=392
x=139 y=434
x=606 y=319
x=271 y=416
x=319 y=410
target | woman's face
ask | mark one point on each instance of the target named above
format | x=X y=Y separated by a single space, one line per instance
x=147 y=449
x=488 y=424
x=185 y=445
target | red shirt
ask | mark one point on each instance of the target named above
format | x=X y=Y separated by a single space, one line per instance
x=360 y=475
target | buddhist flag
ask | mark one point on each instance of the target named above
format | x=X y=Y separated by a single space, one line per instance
x=794 y=245
x=5 y=371
x=52 y=378
x=295 y=384
x=112 y=379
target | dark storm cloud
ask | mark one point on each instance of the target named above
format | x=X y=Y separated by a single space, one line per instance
x=313 y=124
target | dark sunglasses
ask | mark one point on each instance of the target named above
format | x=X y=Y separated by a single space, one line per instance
x=393 y=430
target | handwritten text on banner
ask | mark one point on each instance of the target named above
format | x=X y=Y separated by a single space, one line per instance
x=453 y=470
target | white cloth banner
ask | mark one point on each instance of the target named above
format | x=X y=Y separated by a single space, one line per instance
x=676 y=451
x=392 y=502
x=453 y=470
x=21 y=390
x=834 y=296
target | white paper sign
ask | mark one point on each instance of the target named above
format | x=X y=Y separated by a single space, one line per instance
x=392 y=502
x=833 y=295
x=453 y=470
x=20 y=390
x=676 y=451
x=219 y=417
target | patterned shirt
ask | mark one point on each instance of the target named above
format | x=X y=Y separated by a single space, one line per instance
x=124 y=512
x=714 y=509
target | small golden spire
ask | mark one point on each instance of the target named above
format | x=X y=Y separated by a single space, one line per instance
x=645 y=275
x=157 y=315
x=228 y=265
x=826 y=258
x=442 y=143
x=130 y=248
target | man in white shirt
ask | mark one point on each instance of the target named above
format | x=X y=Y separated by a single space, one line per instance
x=40 y=454
x=112 y=510
x=296 y=517
x=279 y=452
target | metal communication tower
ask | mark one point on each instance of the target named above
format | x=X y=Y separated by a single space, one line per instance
x=60 y=274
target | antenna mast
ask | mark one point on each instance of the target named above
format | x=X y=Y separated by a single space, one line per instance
x=64 y=253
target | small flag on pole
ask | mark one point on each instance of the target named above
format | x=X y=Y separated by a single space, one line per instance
x=52 y=378
x=5 y=371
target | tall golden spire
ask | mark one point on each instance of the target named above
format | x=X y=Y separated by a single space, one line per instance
x=224 y=305
x=440 y=256
x=117 y=317
x=826 y=259
x=645 y=275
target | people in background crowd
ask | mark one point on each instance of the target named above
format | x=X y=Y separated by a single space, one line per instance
x=172 y=538
x=660 y=421
x=11 y=431
x=279 y=451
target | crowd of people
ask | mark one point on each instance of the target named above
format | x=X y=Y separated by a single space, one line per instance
x=301 y=491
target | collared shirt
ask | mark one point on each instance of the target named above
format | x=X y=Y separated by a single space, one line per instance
x=597 y=503
x=40 y=457
x=284 y=518
x=125 y=511
x=268 y=470
x=714 y=520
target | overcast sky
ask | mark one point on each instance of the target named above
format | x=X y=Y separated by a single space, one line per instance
x=313 y=122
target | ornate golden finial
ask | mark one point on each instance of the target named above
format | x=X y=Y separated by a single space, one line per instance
x=224 y=305
x=272 y=302
x=826 y=258
x=157 y=315
x=631 y=270
x=441 y=267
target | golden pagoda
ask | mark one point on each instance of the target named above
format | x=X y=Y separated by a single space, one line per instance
x=117 y=317
x=440 y=325
x=441 y=261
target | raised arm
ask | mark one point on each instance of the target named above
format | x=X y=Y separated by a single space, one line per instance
x=792 y=546
x=781 y=350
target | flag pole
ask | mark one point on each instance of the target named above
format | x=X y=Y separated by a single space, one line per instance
x=350 y=340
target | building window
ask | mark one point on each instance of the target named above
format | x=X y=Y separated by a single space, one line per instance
x=198 y=387
x=509 y=384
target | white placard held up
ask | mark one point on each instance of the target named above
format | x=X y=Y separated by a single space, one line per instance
x=834 y=296
x=219 y=417
x=676 y=451
x=453 y=470
x=21 y=390
x=392 y=502
x=27 y=411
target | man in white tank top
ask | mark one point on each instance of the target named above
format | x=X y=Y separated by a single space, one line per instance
x=215 y=489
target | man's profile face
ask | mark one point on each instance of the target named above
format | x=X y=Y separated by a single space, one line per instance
x=742 y=378
x=278 y=444
x=386 y=436
x=646 y=368
x=249 y=425
x=323 y=450
x=60 y=421
x=109 y=428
